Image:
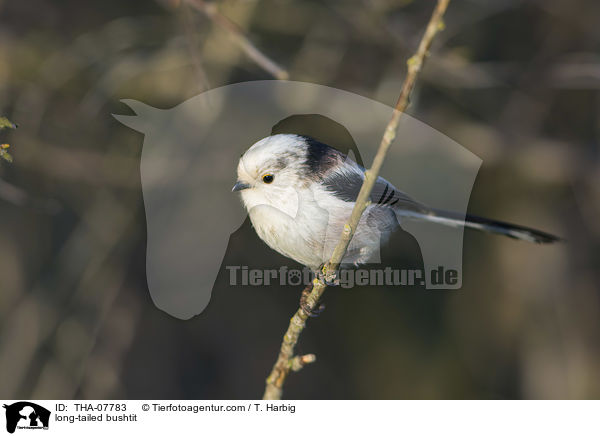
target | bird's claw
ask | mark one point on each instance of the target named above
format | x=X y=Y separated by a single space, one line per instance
x=313 y=313
x=330 y=278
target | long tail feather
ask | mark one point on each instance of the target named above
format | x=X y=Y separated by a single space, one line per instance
x=483 y=224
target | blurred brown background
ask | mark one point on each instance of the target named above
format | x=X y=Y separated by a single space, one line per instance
x=516 y=82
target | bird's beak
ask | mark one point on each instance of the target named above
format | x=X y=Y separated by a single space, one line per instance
x=239 y=186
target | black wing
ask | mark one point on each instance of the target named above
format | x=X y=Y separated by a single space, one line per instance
x=345 y=184
x=343 y=178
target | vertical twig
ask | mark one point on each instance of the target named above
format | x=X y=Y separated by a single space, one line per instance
x=5 y=123
x=286 y=360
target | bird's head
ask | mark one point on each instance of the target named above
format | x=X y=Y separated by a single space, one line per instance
x=272 y=170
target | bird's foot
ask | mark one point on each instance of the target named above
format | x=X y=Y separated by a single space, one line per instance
x=313 y=313
x=330 y=278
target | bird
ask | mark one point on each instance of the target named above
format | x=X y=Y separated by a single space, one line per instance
x=299 y=193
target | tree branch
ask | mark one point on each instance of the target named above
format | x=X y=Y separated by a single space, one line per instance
x=282 y=367
x=210 y=10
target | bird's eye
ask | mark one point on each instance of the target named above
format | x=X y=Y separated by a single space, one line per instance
x=268 y=178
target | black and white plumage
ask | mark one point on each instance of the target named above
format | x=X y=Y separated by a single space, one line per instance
x=299 y=193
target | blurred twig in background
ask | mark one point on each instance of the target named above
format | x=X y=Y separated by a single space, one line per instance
x=238 y=36
x=187 y=20
x=286 y=360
